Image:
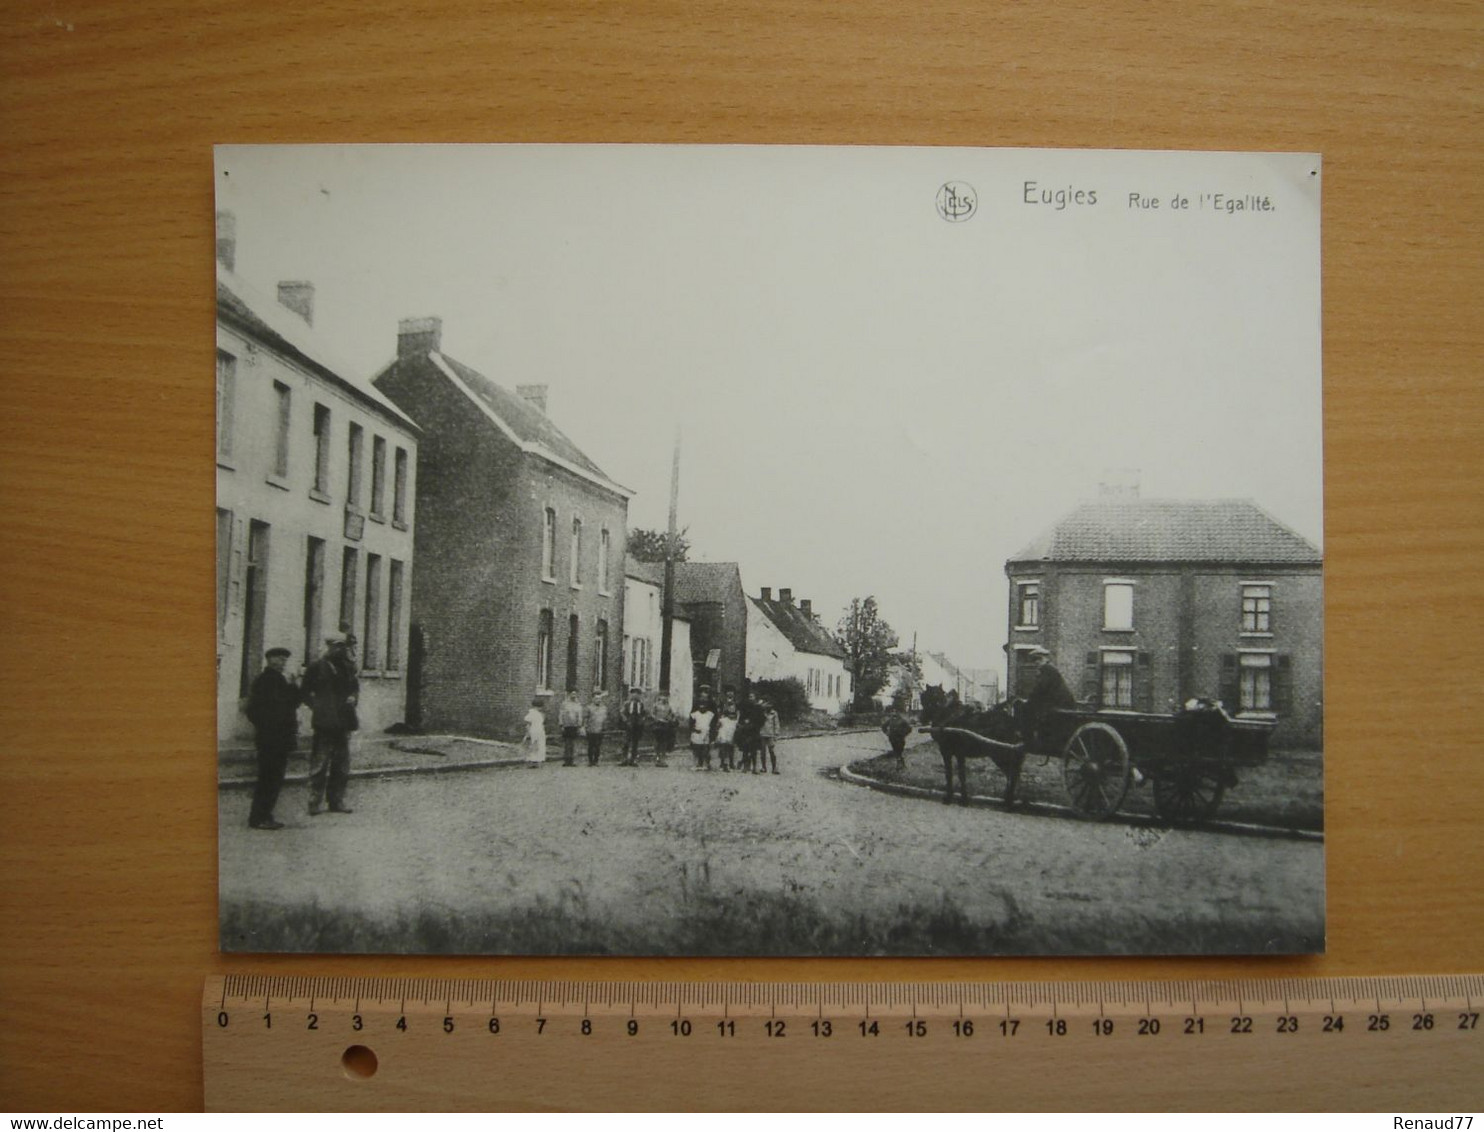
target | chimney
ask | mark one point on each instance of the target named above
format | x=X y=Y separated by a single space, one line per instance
x=535 y=394
x=298 y=296
x=806 y=606
x=419 y=336
x=1119 y=483
x=786 y=596
x=226 y=240
x=767 y=593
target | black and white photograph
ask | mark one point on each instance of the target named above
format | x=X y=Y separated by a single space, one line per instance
x=768 y=551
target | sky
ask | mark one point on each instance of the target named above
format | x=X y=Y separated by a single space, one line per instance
x=872 y=398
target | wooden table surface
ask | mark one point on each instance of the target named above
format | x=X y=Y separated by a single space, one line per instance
x=108 y=872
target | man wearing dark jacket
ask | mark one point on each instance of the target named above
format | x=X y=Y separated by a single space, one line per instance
x=331 y=689
x=1049 y=693
x=273 y=709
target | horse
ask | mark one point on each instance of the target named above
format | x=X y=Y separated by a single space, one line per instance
x=954 y=727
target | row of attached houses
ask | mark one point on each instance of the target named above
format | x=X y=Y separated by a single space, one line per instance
x=316 y=483
x=330 y=487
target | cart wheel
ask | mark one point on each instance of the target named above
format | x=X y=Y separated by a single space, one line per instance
x=1095 y=770
x=1188 y=796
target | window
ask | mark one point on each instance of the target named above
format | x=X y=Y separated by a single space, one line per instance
x=1118 y=606
x=223 y=568
x=1255 y=682
x=314 y=590
x=394 y=617
x=636 y=659
x=1118 y=680
x=349 y=567
x=600 y=655
x=322 y=450
x=543 y=651
x=284 y=396
x=548 y=545
x=353 y=466
x=575 y=570
x=605 y=541
x=1028 y=605
x=1257 y=608
x=572 y=628
x=226 y=403
x=371 y=638
x=378 y=476
x=399 y=488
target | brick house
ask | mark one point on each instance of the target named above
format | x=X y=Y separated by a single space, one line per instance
x=315 y=482
x=710 y=595
x=785 y=640
x=1145 y=603
x=520 y=540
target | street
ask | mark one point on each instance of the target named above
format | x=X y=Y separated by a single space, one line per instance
x=671 y=862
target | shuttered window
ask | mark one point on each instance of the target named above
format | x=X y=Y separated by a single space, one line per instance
x=1117 y=680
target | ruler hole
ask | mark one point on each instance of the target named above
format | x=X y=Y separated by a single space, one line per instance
x=359 y=1063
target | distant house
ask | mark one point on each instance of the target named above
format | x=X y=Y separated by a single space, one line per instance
x=315 y=484
x=985 y=683
x=710 y=595
x=1146 y=603
x=520 y=543
x=643 y=631
x=938 y=669
x=786 y=640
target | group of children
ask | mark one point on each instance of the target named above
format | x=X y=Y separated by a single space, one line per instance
x=744 y=736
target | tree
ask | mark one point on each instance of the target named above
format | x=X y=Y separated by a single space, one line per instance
x=647 y=545
x=867 y=641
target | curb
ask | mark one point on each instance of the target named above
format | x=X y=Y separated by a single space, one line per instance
x=1047 y=809
x=301 y=778
x=395 y=771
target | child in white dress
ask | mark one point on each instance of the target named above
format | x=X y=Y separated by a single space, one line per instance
x=535 y=740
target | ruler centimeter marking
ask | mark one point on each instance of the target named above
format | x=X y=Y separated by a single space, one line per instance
x=1382 y=1042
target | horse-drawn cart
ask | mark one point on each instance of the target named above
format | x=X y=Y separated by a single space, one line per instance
x=1190 y=758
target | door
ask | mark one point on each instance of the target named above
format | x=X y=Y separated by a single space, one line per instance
x=255 y=589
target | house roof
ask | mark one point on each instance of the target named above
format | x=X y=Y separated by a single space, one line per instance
x=1170 y=530
x=699 y=582
x=651 y=572
x=803 y=632
x=284 y=332
x=510 y=413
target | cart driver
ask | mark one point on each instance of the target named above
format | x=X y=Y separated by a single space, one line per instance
x=1047 y=694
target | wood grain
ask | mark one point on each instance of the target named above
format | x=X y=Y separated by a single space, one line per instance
x=109 y=110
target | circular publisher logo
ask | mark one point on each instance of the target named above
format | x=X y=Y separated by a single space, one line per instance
x=957 y=201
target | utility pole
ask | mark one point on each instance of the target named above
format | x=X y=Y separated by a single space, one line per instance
x=667 y=605
x=912 y=674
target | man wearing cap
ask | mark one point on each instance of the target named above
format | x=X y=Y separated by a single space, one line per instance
x=594 y=720
x=331 y=689
x=633 y=715
x=1047 y=694
x=273 y=710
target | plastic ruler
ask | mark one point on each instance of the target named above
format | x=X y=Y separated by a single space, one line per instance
x=1406 y=1043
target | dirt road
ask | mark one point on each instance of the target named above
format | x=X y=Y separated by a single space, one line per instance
x=650 y=861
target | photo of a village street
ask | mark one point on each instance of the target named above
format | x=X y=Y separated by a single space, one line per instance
x=658 y=551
